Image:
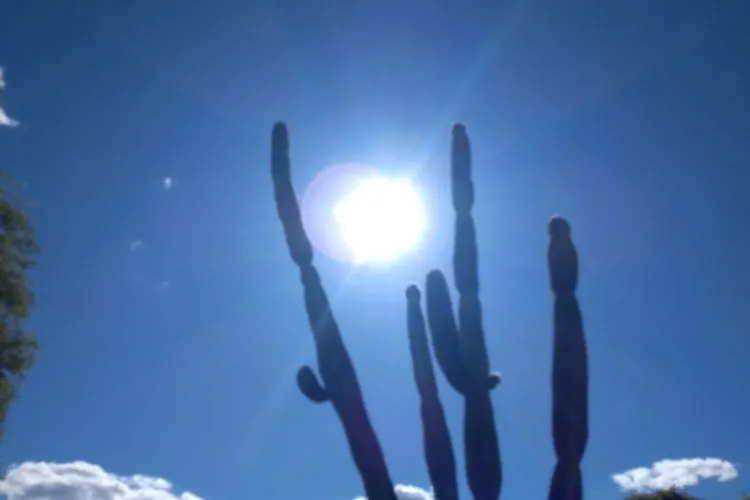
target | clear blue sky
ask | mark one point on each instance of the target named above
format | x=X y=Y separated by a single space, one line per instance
x=177 y=360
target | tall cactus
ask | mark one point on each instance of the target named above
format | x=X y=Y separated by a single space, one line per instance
x=459 y=348
x=570 y=425
x=340 y=385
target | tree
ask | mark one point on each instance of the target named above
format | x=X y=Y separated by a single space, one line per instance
x=670 y=494
x=18 y=248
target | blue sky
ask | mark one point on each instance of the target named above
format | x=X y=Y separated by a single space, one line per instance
x=177 y=359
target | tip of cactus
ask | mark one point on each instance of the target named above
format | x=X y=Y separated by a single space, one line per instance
x=435 y=280
x=459 y=127
x=559 y=227
x=279 y=137
x=412 y=293
x=433 y=275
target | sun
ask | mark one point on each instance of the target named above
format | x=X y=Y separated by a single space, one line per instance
x=380 y=219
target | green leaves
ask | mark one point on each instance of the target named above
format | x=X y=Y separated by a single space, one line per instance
x=18 y=248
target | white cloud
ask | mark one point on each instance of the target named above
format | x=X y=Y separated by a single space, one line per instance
x=79 y=480
x=5 y=120
x=135 y=245
x=681 y=473
x=167 y=183
x=404 y=492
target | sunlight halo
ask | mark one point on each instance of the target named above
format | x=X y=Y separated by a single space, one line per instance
x=380 y=219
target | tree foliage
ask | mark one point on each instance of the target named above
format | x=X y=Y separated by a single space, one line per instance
x=18 y=248
x=670 y=494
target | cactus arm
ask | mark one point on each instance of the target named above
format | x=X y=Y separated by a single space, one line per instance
x=441 y=463
x=445 y=336
x=569 y=366
x=339 y=378
x=309 y=385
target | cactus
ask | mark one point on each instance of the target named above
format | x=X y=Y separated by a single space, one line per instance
x=340 y=385
x=570 y=426
x=459 y=349
x=438 y=449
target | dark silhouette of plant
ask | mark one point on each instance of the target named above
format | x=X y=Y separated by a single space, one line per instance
x=670 y=494
x=17 y=249
x=459 y=347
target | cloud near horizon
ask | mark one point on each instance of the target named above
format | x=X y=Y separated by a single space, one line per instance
x=406 y=492
x=681 y=473
x=77 y=480
x=5 y=120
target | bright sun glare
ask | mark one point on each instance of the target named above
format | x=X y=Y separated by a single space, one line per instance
x=380 y=219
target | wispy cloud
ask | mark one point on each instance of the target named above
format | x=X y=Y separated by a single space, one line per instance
x=5 y=120
x=681 y=473
x=167 y=183
x=73 y=480
x=406 y=492
x=135 y=245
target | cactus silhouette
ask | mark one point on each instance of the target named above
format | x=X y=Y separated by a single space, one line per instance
x=441 y=463
x=570 y=426
x=459 y=348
